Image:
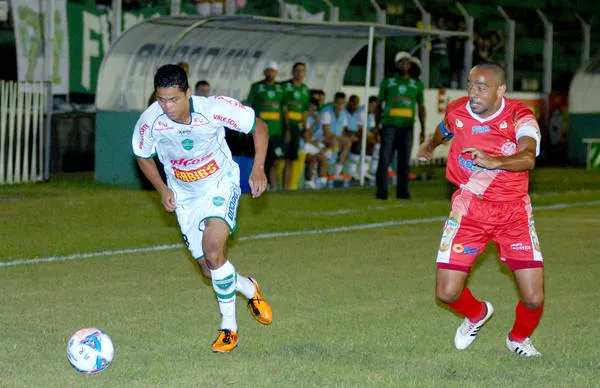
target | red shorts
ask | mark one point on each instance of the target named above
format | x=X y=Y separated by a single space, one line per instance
x=473 y=223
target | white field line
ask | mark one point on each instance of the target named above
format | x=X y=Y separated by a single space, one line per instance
x=78 y=256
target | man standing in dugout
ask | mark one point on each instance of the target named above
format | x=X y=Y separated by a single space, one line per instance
x=400 y=97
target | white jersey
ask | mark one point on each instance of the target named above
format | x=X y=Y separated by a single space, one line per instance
x=370 y=118
x=195 y=155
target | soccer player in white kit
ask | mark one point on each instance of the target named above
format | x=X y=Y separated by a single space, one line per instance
x=203 y=182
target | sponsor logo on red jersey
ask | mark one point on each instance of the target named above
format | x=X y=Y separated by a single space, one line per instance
x=468 y=165
x=464 y=249
x=509 y=148
x=478 y=129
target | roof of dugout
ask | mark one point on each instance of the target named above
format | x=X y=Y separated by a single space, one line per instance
x=231 y=51
x=584 y=89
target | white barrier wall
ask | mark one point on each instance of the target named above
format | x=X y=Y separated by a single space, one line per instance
x=22 y=150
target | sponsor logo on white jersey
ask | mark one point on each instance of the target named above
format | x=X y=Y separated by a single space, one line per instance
x=228 y=121
x=190 y=162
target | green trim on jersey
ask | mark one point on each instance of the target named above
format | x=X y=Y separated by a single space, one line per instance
x=149 y=157
x=253 y=127
x=401 y=97
x=231 y=231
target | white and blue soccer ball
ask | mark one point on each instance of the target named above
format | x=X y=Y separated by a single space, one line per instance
x=90 y=350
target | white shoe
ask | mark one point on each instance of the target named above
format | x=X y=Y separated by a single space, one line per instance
x=524 y=348
x=321 y=182
x=467 y=331
x=310 y=185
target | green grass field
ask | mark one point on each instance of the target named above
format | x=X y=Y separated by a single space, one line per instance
x=350 y=280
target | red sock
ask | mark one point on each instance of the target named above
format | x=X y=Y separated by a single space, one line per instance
x=468 y=306
x=525 y=322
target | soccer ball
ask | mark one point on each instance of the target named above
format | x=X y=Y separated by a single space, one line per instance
x=90 y=350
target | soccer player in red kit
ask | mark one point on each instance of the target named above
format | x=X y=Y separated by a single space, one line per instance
x=495 y=143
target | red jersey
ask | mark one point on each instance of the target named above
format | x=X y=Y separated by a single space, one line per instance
x=496 y=135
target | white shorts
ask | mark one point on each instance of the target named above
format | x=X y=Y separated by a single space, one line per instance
x=221 y=201
x=311 y=149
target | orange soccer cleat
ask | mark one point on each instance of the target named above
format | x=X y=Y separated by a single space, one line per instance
x=258 y=306
x=226 y=341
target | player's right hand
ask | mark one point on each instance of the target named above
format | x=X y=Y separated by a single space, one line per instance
x=167 y=198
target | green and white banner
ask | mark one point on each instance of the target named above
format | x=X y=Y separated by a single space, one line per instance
x=594 y=156
x=89 y=29
x=90 y=32
x=30 y=18
x=80 y=38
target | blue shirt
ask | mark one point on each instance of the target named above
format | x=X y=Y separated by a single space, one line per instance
x=337 y=124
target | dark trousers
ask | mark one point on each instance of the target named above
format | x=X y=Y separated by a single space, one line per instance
x=394 y=139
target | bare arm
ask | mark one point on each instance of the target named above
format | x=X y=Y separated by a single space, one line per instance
x=258 y=179
x=523 y=160
x=426 y=149
x=150 y=171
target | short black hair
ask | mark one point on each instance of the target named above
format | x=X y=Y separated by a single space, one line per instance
x=339 y=95
x=298 y=64
x=498 y=69
x=372 y=99
x=201 y=83
x=314 y=101
x=171 y=75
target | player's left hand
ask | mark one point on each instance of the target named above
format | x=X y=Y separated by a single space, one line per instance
x=258 y=182
x=482 y=159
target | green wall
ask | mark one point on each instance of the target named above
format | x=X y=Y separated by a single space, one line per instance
x=581 y=126
x=114 y=160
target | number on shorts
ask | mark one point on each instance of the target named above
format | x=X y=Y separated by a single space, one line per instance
x=185 y=239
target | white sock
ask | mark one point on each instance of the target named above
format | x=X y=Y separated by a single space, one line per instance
x=321 y=182
x=352 y=169
x=367 y=163
x=353 y=166
x=245 y=286
x=224 y=285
